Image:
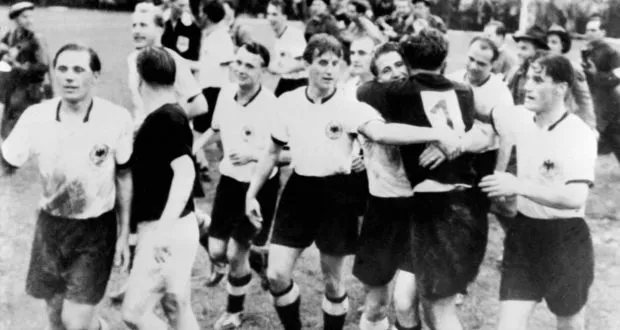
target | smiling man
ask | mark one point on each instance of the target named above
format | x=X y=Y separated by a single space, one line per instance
x=83 y=145
x=242 y=120
x=316 y=204
x=548 y=250
x=147 y=29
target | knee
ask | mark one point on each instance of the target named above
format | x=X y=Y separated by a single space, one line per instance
x=236 y=261
x=278 y=280
x=217 y=253
x=575 y=322
x=376 y=309
x=132 y=314
x=173 y=306
x=72 y=321
x=403 y=303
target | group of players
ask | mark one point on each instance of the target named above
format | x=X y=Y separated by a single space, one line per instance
x=422 y=157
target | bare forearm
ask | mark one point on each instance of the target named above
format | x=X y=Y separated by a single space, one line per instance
x=197 y=106
x=261 y=173
x=477 y=139
x=124 y=193
x=565 y=197
x=399 y=134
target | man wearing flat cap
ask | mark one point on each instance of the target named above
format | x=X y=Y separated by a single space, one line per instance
x=529 y=43
x=23 y=79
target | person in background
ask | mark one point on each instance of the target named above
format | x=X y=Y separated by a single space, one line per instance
x=355 y=22
x=24 y=80
x=578 y=98
x=287 y=50
x=422 y=9
x=595 y=28
x=529 y=43
x=507 y=61
x=182 y=33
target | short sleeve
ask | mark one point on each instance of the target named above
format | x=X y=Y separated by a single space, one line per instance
x=281 y=122
x=124 y=147
x=507 y=121
x=185 y=83
x=361 y=114
x=177 y=141
x=581 y=157
x=18 y=146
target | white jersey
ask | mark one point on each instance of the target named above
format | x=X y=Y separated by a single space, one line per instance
x=289 y=47
x=563 y=153
x=321 y=135
x=243 y=127
x=77 y=160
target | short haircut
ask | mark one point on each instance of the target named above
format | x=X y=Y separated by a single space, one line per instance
x=500 y=28
x=94 y=62
x=214 y=11
x=156 y=66
x=604 y=56
x=322 y=23
x=486 y=44
x=257 y=49
x=149 y=8
x=558 y=67
x=383 y=49
x=320 y=44
x=600 y=20
x=280 y=4
x=426 y=50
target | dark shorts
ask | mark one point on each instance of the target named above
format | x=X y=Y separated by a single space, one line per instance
x=359 y=190
x=72 y=257
x=228 y=219
x=548 y=259
x=448 y=242
x=317 y=209
x=203 y=121
x=287 y=85
x=384 y=240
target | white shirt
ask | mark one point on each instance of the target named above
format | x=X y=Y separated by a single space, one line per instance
x=289 y=48
x=243 y=127
x=320 y=135
x=386 y=173
x=563 y=153
x=185 y=85
x=77 y=160
x=217 y=47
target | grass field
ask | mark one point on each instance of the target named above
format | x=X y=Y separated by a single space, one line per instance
x=108 y=33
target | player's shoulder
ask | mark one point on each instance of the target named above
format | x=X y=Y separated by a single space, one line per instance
x=44 y=111
x=457 y=76
x=293 y=97
x=577 y=129
x=111 y=110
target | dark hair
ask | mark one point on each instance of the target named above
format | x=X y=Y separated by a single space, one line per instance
x=558 y=67
x=600 y=20
x=604 y=56
x=94 y=63
x=426 y=50
x=156 y=66
x=321 y=44
x=257 y=49
x=565 y=39
x=214 y=11
x=322 y=23
x=280 y=4
x=383 y=49
x=500 y=28
x=486 y=44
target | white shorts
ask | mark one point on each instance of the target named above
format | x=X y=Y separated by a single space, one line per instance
x=174 y=275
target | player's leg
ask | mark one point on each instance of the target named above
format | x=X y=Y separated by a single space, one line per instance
x=76 y=316
x=177 y=273
x=238 y=283
x=376 y=307
x=285 y=292
x=441 y=314
x=406 y=302
x=335 y=302
x=54 y=311
x=514 y=314
x=572 y=322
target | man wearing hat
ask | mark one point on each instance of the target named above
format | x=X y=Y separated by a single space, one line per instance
x=533 y=40
x=26 y=66
x=579 y=99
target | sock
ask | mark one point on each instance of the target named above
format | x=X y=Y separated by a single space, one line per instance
x=400 y=327
x=382 y=324
x=335 y=312
x=237 y=288
x=287 y=307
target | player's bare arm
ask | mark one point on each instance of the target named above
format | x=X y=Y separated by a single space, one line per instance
x=124 y=191
x=263 y=170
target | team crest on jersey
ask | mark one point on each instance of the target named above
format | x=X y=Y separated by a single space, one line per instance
x=182 y=44
x=334 y=130
x=549 y=169
x=247 y=133
x=99 y=153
